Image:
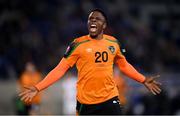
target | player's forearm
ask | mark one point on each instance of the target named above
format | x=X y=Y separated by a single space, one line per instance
x=53 y=76
x=130 y=71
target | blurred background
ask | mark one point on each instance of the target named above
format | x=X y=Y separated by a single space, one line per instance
x=39 y=31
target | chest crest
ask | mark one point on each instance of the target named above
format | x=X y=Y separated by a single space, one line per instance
x=111 y=49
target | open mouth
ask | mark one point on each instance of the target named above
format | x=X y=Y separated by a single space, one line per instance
x=93 y=28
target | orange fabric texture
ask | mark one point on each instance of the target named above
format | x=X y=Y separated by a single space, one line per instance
x=29 y=79
x=54 y=75
x=129 y=70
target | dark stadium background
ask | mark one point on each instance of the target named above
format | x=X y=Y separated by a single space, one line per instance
x=40 y=31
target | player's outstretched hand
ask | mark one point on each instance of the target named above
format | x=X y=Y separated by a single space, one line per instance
x=28 y=94
x=152 y=85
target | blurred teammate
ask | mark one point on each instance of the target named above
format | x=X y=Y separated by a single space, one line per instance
x=94 y=55
x=28 y=78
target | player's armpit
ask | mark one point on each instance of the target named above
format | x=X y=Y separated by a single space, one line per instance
x=129 y=70
x=54 y=75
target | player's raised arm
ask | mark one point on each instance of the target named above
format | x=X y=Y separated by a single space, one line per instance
x=52 y=77
x=131 y=72
x=70 y=57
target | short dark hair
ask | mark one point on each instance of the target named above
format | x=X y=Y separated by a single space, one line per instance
x=102 y=12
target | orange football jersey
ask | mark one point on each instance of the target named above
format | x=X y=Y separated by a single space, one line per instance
x=94 y=60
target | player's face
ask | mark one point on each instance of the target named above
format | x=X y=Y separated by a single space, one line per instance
x=96 y=24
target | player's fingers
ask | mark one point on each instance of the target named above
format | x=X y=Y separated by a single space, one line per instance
x=157 y=83
x=157 y=87
x=24 y=97
x=23 y=93
x=152 y=91
x=155 y=77
x=30 y=99
x=156 y=90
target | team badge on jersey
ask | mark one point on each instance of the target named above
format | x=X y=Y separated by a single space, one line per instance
x=112 y=49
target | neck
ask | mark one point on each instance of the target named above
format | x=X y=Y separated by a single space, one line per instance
x=99 y=37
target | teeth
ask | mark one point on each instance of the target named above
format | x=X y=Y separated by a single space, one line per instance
x=93 y=25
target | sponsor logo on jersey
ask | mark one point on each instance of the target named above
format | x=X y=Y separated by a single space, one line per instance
x=89 y=49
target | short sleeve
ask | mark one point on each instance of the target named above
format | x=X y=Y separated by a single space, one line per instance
x=72 y=54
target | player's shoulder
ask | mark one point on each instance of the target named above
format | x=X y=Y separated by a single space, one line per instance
x=81 y=39
x=77 y=41
x=75 y=44
x=110 y=38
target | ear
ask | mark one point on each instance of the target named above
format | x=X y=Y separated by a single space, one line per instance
x=104 y=25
